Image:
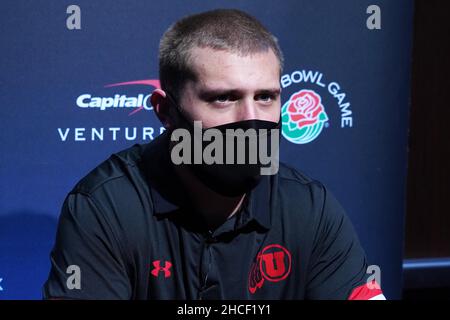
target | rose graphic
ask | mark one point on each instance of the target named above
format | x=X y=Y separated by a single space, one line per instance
x=303 y=117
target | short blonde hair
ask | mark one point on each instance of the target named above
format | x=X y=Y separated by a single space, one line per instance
x=222 y=29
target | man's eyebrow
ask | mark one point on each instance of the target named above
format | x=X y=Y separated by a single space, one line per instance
x=274 y=91
x=212 y=92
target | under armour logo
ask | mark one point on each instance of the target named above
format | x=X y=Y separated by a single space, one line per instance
x=157 y=268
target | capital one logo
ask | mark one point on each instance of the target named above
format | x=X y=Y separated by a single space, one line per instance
x=158 y=269
x=273 y=264
x=133 y=104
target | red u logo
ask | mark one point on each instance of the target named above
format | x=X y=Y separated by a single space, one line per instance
x=275 y=263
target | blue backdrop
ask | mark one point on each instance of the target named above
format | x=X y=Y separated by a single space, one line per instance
x=54 y=130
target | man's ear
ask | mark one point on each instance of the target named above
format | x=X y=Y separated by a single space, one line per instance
x=162 y=108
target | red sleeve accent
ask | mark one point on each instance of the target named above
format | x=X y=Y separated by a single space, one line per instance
x=366 y=291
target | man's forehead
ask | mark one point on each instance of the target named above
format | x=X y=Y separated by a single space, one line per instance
x=217 y=70
x=201 y=56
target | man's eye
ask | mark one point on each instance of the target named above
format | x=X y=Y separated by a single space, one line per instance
x=265 y=97
x=223 y=98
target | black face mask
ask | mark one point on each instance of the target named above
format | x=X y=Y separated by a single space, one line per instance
x=233 y=178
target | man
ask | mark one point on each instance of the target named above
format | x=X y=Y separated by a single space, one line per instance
x=144 y=225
